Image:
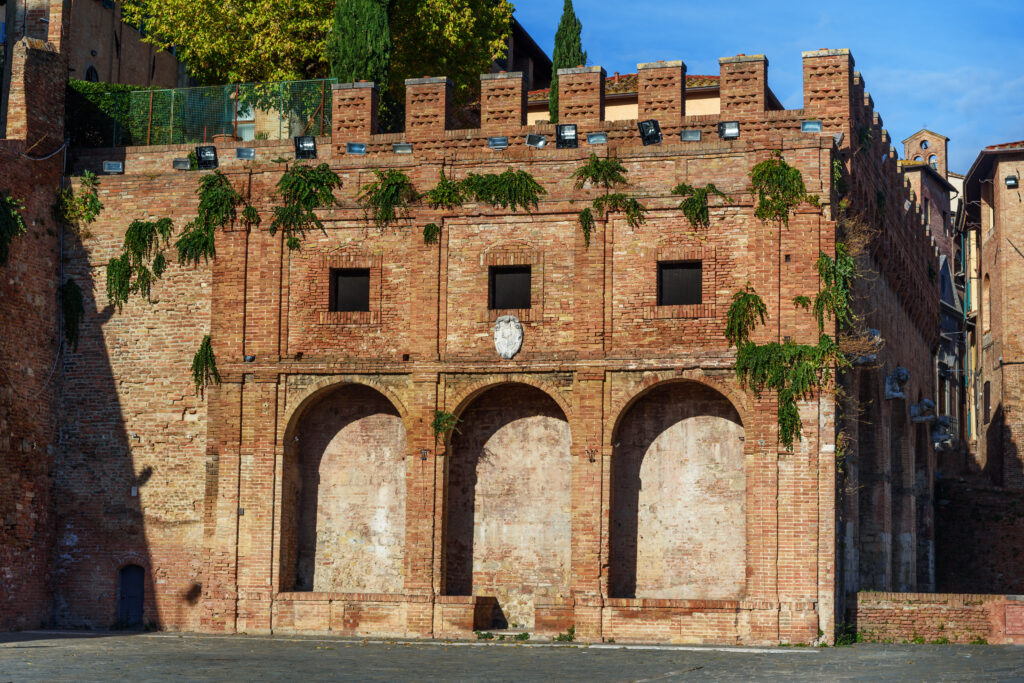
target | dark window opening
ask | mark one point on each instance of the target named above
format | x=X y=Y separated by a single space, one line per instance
x=350 y=289
x=988 y=402
x=509 y=287
x=679 y=283
x=92 y=75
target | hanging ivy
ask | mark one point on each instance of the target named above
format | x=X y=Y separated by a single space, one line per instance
x=607 y=174
x=695 y=203
x=387 y=199
x=509 y=190
x=836 y=276
x=838 y=175
x=73 y=311
x=303 y=190
x=141 y=263
x=447 y=194
x=218 y=207
x=78 y=210
x=779 y=188
x=11 y=223
x=586 y=221
x=431 y=233
x=204 y=366
x=746 y=311
x=444 y=422
x=634 y=211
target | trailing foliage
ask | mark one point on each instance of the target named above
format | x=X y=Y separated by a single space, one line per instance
x=833 y=299
x=606 y=173
x=838 y=175
x=218 y=205
x=634 y=211
x=746 y=311
x=444 y=422
x=73 y=311
x=695 y=203
x=303 y=190
x=142 y=261
x=387 y=199
x=431 y=233
x=11 y=223
x=447 y=194
x=779 y=188
x=568 y=53
x=204 y=366
x=509 y=190
x=586 y=221
x=802 y=301
x=79 y=210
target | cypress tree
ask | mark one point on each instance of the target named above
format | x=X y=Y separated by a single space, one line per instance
x=568 y=53
x=359 y=47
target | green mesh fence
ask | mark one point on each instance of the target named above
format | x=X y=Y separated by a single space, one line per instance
x=111 y=115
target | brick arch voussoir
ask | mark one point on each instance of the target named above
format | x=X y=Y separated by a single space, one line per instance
x=467 y=395
x=325 y=385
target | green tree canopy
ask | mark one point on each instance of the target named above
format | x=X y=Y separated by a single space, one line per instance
x=568 y=53
x=359 y=47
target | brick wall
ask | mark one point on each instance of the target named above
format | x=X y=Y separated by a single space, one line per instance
x=938 y=617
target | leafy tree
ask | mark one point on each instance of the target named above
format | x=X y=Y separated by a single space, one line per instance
x=359 y=47
x=568 y=53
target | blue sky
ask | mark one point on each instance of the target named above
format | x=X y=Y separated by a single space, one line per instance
x=954 y=68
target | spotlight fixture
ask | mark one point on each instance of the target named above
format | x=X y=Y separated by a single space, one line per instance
x=355 y=148
x=247 y=153
x=113 y=167
x=206 y=157
x=810 y=126
x=305 y=147
x=1012 y=182
x=401 y=147
x=498 y=142
x=690 y=135
x=650 y=132
x=729 y=130
x=838 y=139
x=565 y=136
x=249 y=359
x=906 y=206
x=181 y=164
x=597 y=138
x=536 y=141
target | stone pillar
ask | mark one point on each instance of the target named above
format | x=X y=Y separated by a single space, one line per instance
x=743 y=85
x=502 y=102
x=426 y=107
x=355 y=112
x=581 y=95
x=662 y=91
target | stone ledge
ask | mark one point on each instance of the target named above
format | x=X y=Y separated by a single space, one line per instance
x=430 y=80
x=349 y=86
x=503 y=75
x=676 y=63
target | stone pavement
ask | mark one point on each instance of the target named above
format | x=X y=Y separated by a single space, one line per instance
x=67 y=656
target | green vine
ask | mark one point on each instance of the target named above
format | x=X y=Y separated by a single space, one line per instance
x=695 y=203
x=431 y=233
x=218 y=205
x=447 y=194
x=509 y=190
x=142 y=261
x=779 y=188
x=303 y=190
x=73 y=310
x=388 y=198
x=444 y=422
x=608 y=174
x=204 y=366
x=79 y=210
x=11 y=223
x=838 y=176
x=586 y=221
x=836 y=276
x=746 y=311
x=634 y=211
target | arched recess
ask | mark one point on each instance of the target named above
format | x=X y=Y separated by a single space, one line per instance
x=343 y=493
x=678 y=496
x=509 y=501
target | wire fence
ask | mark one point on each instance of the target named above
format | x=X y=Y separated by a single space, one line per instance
x=110 y=115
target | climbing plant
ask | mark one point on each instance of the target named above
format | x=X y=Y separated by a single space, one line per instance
x=11 y=223
x=218 y=206
x=303 y=189
x=73 y=311
x=509 y=190
x=447 y=194
x=79 y=209
x=387 y=199
x=695 y=203
x=779 y=188
x=141 y=262
x=204 y=366
x=431 y=233
x=444 y=422
x=608 y=174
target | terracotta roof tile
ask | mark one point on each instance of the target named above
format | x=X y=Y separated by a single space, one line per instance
x=1007 y=145
x=628 y=84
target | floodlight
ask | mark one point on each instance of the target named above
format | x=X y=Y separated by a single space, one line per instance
x=729 y=130
x=690 y=135
x=906 y=206
x=650 y=132
x=355 y=148
x=1012 y=182
x=498 y=142
x=565 y=136
x=536 y=141
x=401 y=147
x=247 y=153
x=597 y=138
x=181 y=164
x=113 y=167
x=305 y=147
x=810 y=126
x=206 y=157
x=838 y=139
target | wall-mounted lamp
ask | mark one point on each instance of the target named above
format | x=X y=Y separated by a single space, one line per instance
x=1012 y=182
x=423 y=453
x=690 y=135
x=247 y=153
x=206 y=157
x=838 y=139
x=498 y=142
x=650 y=132
x=597 y=138
x=729 y=130
x=113 y=167
x=810 y=126
x=181 y=164
x=249 y=359
x=305 y=147
x=401 y=147
x=355 y=148
x=536 y=141
x=565 y=136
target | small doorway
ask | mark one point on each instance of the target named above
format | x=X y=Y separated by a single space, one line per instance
x=132 y=587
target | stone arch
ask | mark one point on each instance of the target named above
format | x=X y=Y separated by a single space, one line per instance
x=315 y=390
x=466 y=395
x=343 y=492
x=677 y=524
x=508 y=502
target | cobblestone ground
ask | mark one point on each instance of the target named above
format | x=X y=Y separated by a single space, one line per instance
x=49 y=656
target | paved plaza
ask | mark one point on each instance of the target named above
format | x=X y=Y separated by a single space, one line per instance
x=54 y=656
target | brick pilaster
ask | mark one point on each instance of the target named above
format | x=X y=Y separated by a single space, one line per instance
x=662 y=91
x=355 y=112
x=581 y=95
x=426 y=107
x=743 y=84
x=502 y=101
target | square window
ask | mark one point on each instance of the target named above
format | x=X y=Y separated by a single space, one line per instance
x=350 y=289
x=679 y=283
x=509 y=287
